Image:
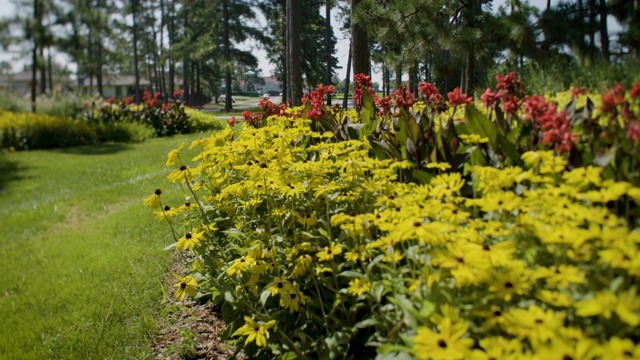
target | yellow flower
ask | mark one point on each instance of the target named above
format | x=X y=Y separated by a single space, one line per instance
x=258 y=332
x=358 y=287
x=153 y=201
x=291 y=300
x=358 y=252
x=554 y=298
x=622 y=349
x=239 y=265
x=280 y=285
x=602 y=303
x=439 y=165
x=534 y=323
x=303 y=263
x=185 y=286
x=473 y=139
x=189 y=240
x=166 y=213
x=448 y=343
x=329 y=252
x=174 y=155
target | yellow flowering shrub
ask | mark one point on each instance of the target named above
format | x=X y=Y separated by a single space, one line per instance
x=38 y=131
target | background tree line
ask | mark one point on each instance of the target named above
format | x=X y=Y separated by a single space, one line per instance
x=450 y=43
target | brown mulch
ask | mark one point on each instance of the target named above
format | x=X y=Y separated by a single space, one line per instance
x=188 y=329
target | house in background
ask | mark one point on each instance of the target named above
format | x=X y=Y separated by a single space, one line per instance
x=20 y=83
x=119 y=85
x=271 y=85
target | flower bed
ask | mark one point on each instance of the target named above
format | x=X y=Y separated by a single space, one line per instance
x=419 y=230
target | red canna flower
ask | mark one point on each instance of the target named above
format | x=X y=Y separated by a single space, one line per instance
x=488 y=98
x=232 y=121
x=456 y=98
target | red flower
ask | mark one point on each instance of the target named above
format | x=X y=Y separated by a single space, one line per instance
x=177 y=93
x=579 y=91
x=127 y=101
x=456 y=98
x=635 y=91
x=427 y=89
x=612 y=98
x=232 y=121
x=510 y=92
x=111 y=100
x=488 y=98
x=402 y=97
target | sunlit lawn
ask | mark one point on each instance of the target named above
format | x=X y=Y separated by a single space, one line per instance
x=82 y=262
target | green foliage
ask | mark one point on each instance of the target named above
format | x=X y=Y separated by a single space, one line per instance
x=13 y=103
x=69 y=106
x=201 y=121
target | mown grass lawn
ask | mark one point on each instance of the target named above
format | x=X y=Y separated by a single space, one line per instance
x=82 y=264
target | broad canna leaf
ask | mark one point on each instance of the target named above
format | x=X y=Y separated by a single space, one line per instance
x=481 y=125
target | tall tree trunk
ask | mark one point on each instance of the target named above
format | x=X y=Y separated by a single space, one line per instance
x=360 y=45
x=43 y=71
x=398 y=79
x=635 y=46
x=285 y=61
x=136 y=71
x=101 y=4
x=413 y=77
x=50 y=70
x=604 y=30
x=34 y=69
x=345 y=100
x=172 y=65
x=227 y=56
x=163 y=80
x=592 y=27
x=294 y=26
x=328 y=35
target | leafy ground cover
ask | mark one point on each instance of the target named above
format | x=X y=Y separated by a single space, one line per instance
x=81 y=275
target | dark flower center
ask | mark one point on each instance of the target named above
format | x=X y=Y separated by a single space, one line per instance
x=417 y=223
x=256 y=329
x=485 y=247
x=508 y=285
x=497 y=313
x=329 y=252
x=183 y=285
x=539 y=321
x=167 y=208
x=442 y=344
x=183 y=167
x=280 y=285
x=293 y=296
x=187 y=204
x=567 y=357
x=188 y=236
x=263 y=165
x=158 y=192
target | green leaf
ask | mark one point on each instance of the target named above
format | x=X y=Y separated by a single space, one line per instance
x=481 y=125
x=366 y=323
x=603 y=160
x=228 y=296
x=509 y=149
x=264 y=296
x=351 y=274
x=368 y=114
x=422 y=176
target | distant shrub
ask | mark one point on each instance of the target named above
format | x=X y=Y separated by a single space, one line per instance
x=13 y=103
x=123 y=132
x=201 y=121
x=61 y=106
x=37 y=131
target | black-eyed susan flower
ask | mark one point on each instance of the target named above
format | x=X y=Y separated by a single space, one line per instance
x=619 y=348
x=254 y=331
x=167 y=213
x=448 y=343
x=153 y=201
x=329 y=252
x=357 y=253
x=240 y=265
x=279 y=285
x=358 y=286
x=185 y=286
x=534 y=323
x=174 y=155
x=291 y=300
x=190 y=240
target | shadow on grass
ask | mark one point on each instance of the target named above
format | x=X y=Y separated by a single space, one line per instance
x=102 y=149
x=9 y=171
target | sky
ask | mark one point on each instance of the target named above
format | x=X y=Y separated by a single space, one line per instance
x=7 y=9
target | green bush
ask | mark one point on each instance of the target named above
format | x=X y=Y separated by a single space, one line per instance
x=123 y=132
x=13 y=103
x=202 y=121
x=61 y=106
